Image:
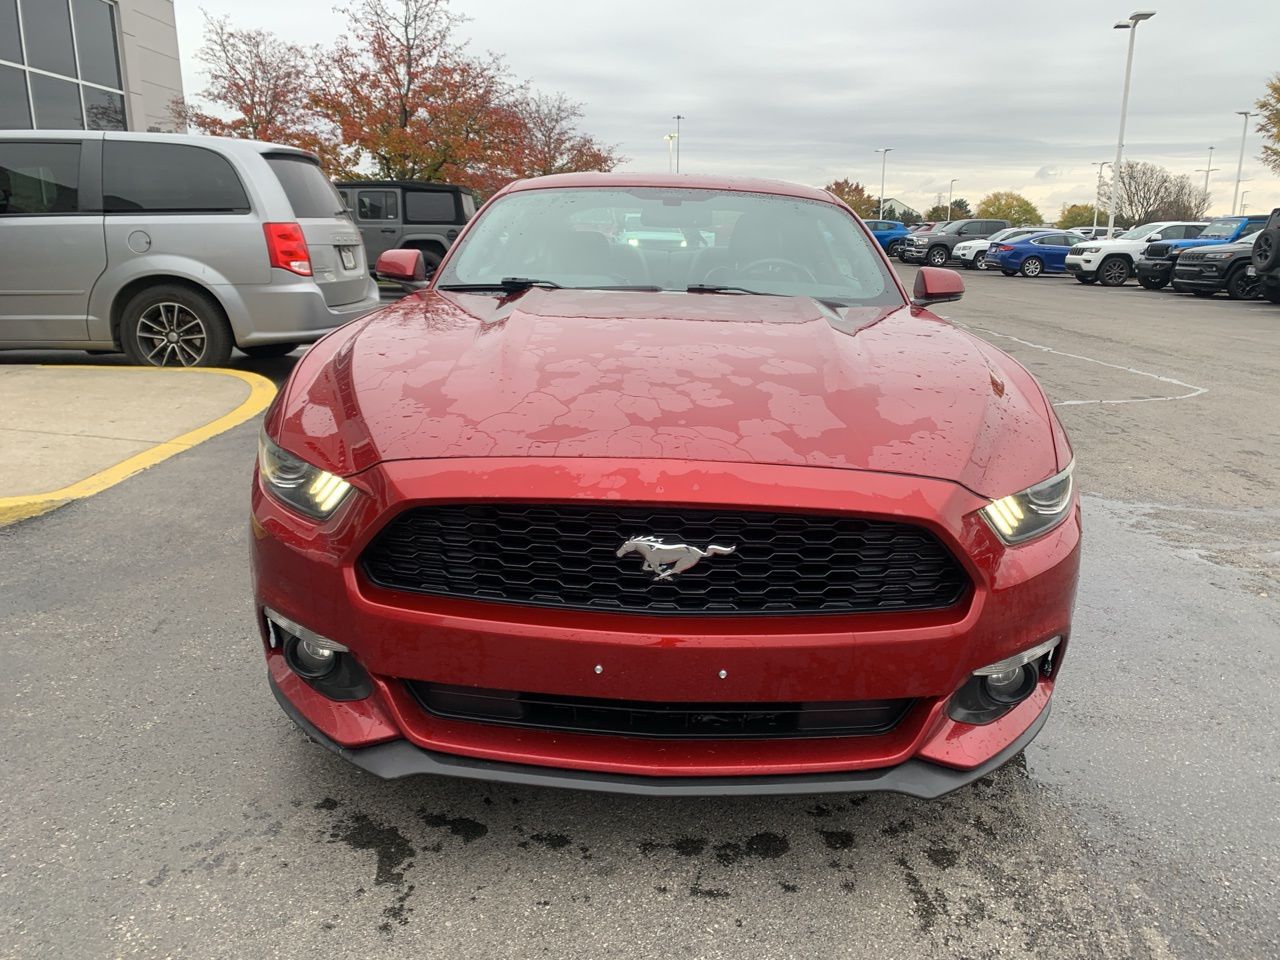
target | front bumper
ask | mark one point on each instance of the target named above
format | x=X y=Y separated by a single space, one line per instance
x=912 y=254
x=1200 y=277
x=1158 y=270
x=1086 y=265
x=309 y=574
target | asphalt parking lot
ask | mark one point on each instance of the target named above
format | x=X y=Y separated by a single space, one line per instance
x=157 y=803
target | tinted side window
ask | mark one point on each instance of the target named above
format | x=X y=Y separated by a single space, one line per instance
x=140 y=177
x=429 y=206
x=377 y=205
x=39 y=178
x=468 y=206
x=310 y=193
x=1190 y=232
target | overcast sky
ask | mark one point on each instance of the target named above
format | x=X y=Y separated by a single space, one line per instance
x=1002 y=96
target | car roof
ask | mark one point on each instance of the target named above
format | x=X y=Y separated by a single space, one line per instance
x=680 y=181
x=228 y=144
x=413 y=184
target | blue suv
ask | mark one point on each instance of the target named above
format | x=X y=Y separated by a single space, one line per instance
x=1155 y=266
x=889 y=233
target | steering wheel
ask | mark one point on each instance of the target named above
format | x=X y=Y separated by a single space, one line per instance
x=771 y=267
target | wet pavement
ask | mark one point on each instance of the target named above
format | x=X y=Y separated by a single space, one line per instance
x=158 y=803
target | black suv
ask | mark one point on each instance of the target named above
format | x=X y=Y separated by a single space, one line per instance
x=409 y=214
x=1266 y=258
x=1221 y=266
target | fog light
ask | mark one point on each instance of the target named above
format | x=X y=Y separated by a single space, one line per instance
x=1010 y=686
x=310 y=660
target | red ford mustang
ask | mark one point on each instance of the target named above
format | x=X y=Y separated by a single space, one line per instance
x=664 y=486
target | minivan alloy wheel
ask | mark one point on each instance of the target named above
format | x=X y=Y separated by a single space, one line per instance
x=171 y=335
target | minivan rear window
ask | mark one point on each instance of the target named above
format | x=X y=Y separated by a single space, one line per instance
x=139 y=176
x=310 y=193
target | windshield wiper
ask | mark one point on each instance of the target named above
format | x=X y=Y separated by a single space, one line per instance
x=726 y=288
x=506 y=284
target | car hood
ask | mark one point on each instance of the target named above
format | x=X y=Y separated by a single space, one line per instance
x=738 y=379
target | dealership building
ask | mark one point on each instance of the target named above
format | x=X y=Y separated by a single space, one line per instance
x=88 y=64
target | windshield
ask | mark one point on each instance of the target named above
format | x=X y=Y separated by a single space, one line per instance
x=949 y=228
x=672 y=239
x=1139 y=233
x=1251 y=238
x=1220 y=230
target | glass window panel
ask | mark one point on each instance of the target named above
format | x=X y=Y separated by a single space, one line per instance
x=10 y=45
x=103 y=110
x=96 y=42
x=377 y=205
x=46 y=27
x=38 y=178
x=57 y=103
x=143 y=176
x=429 y=206
x=310 y=193
x=15 y=110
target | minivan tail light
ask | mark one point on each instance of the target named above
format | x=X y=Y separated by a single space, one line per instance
x=287 y=248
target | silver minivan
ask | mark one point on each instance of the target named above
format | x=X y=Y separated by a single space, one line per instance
x=170 y=248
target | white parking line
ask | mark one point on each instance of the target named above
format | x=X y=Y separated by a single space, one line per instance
x=1193 y=390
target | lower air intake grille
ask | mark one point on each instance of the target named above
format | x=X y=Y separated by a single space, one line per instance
x=676 y=721
x=566 y=555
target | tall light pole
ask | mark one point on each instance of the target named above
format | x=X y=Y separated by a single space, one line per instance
x=1243 y=205
x=1132 y=26
x=950 y=193
x=1244 y=134
x=671 y=139
x=1097 y=193
x=677 y=118
x=884 y=159
x=1206 y=171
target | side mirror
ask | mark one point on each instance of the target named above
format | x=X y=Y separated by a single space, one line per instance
x=935 y=285
x=1155 y=237
x=406 y=267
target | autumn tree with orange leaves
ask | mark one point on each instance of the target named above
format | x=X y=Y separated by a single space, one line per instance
x=855 y=196
x=401 y=98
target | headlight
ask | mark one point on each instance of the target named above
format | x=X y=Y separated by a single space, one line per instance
x=1091 y=250
x=1021 y=516
x=297 y=483
x=1221 y=255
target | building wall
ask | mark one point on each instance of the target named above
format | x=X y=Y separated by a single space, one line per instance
x=153 y=75
x=96 y=64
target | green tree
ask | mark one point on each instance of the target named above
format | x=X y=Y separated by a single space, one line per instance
x=1076 y=215
x=1007 y=205
x=960 y=210
x=856 y=196
x=1269 y=125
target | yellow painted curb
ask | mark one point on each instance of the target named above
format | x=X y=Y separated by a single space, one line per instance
x=261 y=393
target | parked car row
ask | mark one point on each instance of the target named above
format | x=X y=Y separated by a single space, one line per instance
x=1238 y=255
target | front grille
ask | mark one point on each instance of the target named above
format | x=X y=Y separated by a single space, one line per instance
x=637 y=718
x=1077 y=250
x=1191 y=256
x=565 y=555
x=1158 y=251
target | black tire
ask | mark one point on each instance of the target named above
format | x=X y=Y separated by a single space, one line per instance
x=1241 y=286
x=895 y=248
x=269 y=351
x=1114 y=271
x=1031 y=267
x=174 y=326
x=1266 y=249
x=970 y=264
x=937 y=256
x=1153 y=283
x=1081 y=278
x=1009 y=273
x=980 y=260
x=1271 y=292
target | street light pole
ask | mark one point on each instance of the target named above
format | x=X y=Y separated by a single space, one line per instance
x=884 y=159
x=677 y=118
x=671 y=139
x=1243 y=205
x=950 y=193
x=1132 y=26
x=1244 y=134
x=1208 y=170
x=1097 y=192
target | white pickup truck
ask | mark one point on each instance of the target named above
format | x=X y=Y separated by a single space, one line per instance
x=1111 y=261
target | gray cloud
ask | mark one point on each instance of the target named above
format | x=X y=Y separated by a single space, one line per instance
x=808 y=90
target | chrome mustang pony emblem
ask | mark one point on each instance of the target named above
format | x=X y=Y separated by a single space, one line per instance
x=665 y=560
